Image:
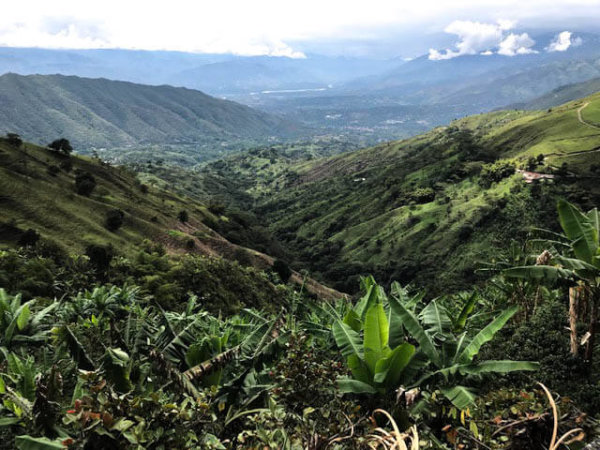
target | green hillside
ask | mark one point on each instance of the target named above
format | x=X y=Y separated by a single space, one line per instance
x=38 y=191
x=102 y=113
x=428 y=207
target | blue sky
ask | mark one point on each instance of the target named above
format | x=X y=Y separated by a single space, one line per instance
x=383 y=28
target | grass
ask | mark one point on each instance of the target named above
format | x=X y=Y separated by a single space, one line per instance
x=32 y=198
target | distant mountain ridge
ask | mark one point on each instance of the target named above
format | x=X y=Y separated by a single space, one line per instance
x=104 y=113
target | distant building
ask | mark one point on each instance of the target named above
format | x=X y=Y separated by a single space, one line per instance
x=530 y=177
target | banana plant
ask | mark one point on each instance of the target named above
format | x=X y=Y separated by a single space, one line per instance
x=450 y=347
x=18 y=324
x=380 y=358
x=363 y=335
x=578 y=263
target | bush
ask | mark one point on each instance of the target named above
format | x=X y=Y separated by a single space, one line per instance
x=14 y=140
x=100 y=256
x=492 y=173
x=85 y=184
x=29 y=237
x=53 y=170
x=114 y=219
x=183 y=216
x=282 y=269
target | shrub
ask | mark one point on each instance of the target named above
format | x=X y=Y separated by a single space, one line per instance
x=85 y=184
x=14 y=140
x=29 y=237
x=100 y=256
x=492 y=173
x=53 y=170
x=114 y=219
x=282 y=269
x=66 y=165
x=183 y=216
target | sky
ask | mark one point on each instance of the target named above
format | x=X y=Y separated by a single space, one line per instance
x=442 y=29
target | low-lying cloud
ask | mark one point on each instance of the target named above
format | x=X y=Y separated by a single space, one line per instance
x=563 y=41
x=486 y=39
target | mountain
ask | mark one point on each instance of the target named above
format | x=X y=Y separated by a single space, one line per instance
x=216 y=74
x=104 y=113
x=561 y=95
x=38 y=191
x=430 y=207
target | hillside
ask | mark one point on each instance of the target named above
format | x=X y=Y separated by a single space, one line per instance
x=38 y=191
x=103 y=113
x=431 y=206
x=561 y=95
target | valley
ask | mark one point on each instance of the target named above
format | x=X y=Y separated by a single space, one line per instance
x=300 y=226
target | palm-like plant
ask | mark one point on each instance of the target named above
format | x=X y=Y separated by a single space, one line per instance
x=373 y=337
x=18 y=324
x=577 y=263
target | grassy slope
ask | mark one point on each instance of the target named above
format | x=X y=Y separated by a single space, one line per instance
x=32 y=198
x=104 y=113
x=339 y=224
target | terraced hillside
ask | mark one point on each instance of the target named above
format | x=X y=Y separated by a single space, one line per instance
x=38 y=190
x=431 y=207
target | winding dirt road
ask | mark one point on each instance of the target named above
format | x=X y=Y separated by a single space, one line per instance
x=581 y=118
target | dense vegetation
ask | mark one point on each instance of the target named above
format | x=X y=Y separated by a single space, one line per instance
x=107 y=114
x=428 y=207
x=157 y=351
x=132 y=316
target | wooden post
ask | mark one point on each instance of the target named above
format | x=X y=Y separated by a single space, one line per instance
x=593 y=307
x=573 y=304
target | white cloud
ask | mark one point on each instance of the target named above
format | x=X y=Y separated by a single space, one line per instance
x=269 y=26
x=516 y=44
x=485 y=39
x=563 y=41
x=474 y=38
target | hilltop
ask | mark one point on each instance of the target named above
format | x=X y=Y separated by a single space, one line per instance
x=103 y=113
x=433 y=206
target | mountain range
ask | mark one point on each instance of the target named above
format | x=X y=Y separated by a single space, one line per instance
x=105 y=113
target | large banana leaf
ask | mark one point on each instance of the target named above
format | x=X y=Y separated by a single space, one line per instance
x=460 y=396
x=352 y=319
x=359 y=369
x=350 y=386
x=594 y=218
x=376 y=334
x=436 y=317
x=580 y=230
x=389 y=370
x=415 y=329
x=485 y=335
x=542 y=273
x=347 y=339
x=498 y=367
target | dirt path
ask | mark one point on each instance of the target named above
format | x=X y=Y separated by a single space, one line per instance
x=581 y=118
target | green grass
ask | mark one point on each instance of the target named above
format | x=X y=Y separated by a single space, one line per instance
x=32 y=198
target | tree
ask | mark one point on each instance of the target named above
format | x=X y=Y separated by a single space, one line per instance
x=61 y=145
x=14 y=140
x=578 y=265
x=100 y=256
x=183 y=216
x=114 y=219
x=85 y=183
x=282 y=269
